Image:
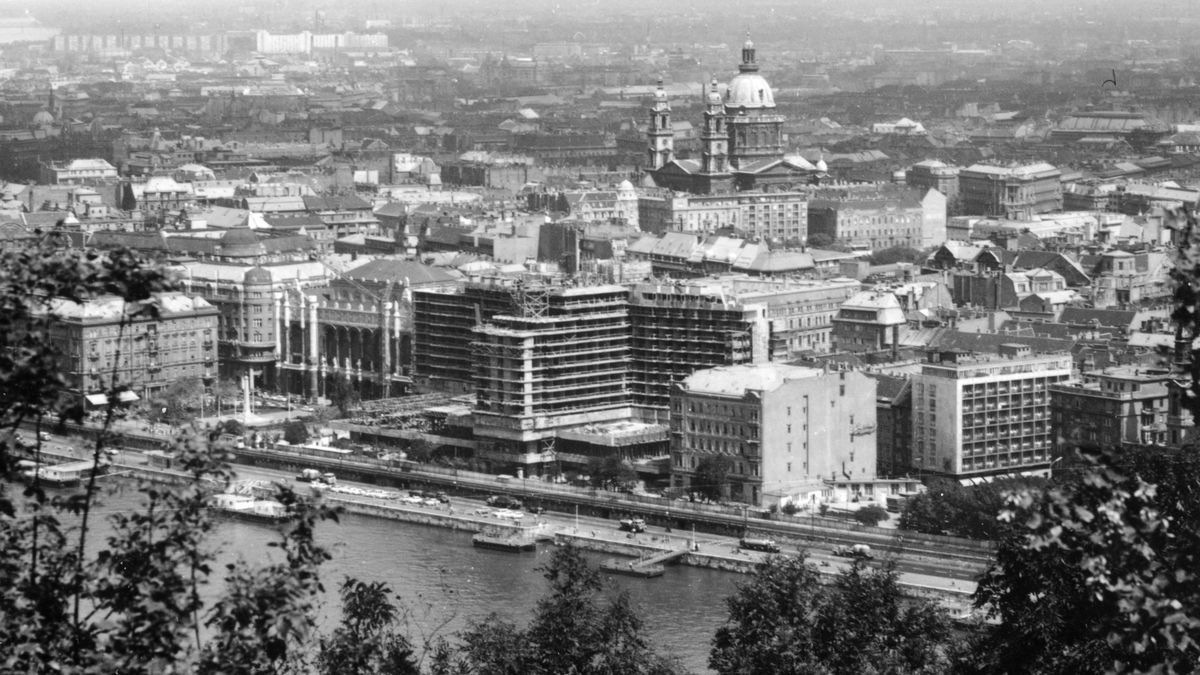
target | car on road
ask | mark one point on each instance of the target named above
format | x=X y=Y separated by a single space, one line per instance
x=504 y=502
x=764 y=545
x=633 y=525
x=861 y=551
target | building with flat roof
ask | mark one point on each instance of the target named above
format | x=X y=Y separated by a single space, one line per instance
x=77 y=171
x=1012 y=192
x=769 y=215
x=790 y=434
x=444 y=321
x=680 y=328
x=560 y=360
x=932 y=174
x=982 y=415
x=1124 y=405
x=891 y=218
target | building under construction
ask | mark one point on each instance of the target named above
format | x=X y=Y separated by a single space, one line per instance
x=560 y=360
x=444 y=321
x=679 y=328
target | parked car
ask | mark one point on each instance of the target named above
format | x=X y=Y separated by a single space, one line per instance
x=504 y=502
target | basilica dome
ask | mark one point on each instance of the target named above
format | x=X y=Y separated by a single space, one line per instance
x=748 y=89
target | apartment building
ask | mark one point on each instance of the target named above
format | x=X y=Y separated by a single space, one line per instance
x=790 y=433
x=872 y=222
x=1124 y=405
x=868 y=322
x=980 y=415
x=147 y=354
x=769 y=215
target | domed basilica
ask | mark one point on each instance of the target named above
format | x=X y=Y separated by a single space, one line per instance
x=741 y=139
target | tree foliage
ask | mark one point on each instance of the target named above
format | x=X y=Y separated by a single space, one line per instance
x=871 y=515
x=367 y=641
x=784 y=621
x=133 y=605
x=896 y=254
x=571 y=632
x=295 y=432
x=1100 y=574
x=342 y=393
x=611 y=472
x=949 y=508
x=712 y=476
x=182 y=398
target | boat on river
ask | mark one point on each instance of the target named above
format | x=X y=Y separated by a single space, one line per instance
x=248 y=507
x=506 y=538
x=69 y=474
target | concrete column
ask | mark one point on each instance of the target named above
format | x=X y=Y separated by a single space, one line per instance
x=287 y=328
x=276 y=313
x=314 y=338
x=385 y=349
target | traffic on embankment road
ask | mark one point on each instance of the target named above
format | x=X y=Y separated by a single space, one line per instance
x=469 y=500
x=958 y=558
x=601 y=515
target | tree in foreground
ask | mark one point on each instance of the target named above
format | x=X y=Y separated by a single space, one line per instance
x=783 y=621
x=367 y=640
x=132 y=603
x=571 y=631
x=950 y=508
x=1101 y=574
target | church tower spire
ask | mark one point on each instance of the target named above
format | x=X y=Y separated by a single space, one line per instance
x=661 y=135
x=748 y=64
x=714 y=137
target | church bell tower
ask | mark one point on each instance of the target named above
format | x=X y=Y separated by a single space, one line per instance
x=660 y=134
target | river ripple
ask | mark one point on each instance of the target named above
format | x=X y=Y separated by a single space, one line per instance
x=446 y=582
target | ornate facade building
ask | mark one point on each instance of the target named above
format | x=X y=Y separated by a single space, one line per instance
x=741 y=140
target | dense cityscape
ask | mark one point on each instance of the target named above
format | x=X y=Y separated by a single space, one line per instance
x=500 y=268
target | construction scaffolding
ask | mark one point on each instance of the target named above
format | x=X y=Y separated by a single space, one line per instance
x=561 y=359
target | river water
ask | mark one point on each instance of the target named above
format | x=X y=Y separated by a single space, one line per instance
x=446 y=582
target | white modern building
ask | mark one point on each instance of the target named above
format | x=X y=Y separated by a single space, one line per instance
x=982 y=415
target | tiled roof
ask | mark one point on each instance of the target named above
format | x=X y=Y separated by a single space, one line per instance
x=415 y=273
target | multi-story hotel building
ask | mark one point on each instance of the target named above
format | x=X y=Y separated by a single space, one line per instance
x=979 y=415
x=561 y=360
